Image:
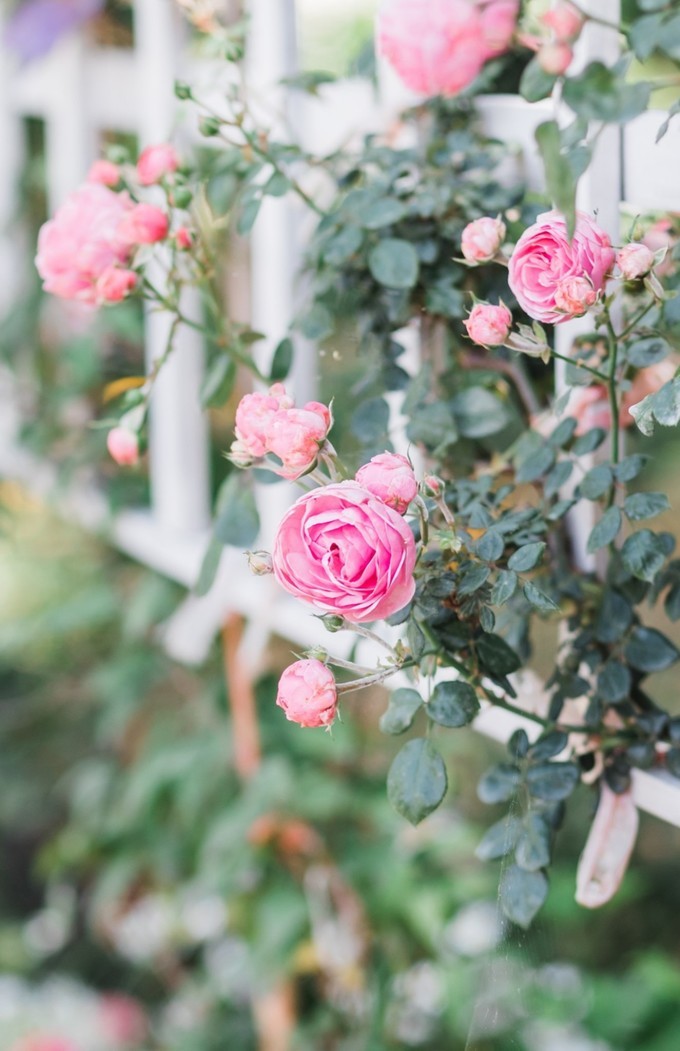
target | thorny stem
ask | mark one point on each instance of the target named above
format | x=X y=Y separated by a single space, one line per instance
x=613 y=402
x=374 y=679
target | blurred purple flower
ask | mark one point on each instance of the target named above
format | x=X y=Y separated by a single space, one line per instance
x=36 y=25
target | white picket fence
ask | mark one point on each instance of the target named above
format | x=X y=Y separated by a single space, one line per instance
x=79 y=92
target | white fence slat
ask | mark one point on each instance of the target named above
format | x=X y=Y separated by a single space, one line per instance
x=11 y=244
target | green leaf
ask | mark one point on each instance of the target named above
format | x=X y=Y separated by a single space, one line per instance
x=606 y=529
x=479 y=413
x=639 y=506
x=453 y=704
x=237 y=522
x=495 y=656
x=383 y=212
x=596 y=482
x=218 y=382
x=559 y=174
x=521 y=894
x=559 y=476
x=648 y=351
x=563 y=433
x=600 y=93
x=343 y=246
x=248 y=215
x=552 y=781
x=504 y=588
x=209 y=567
x=281 y=361
x=535 y=84
x=317 y=324
x=630 y=467
x=490 y=547
x=370 y=421
x=499 y=783
x=538 y=599
x=614 y=618
x=536 y=465
x=499 y=840
x=548 y=745
x=526 y=557
x=394 y=263
x=614 y=682
x=401 y=711
x=471 y=578
x=648 y=650
x=533 y=843
x=643 y=554
x=663 y=407
x=417 y=781
x=589 y=442
x=277 y=185
x=431 y=425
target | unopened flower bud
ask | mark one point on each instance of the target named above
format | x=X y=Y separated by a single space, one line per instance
x=635 y=261
x=481 y=240
x=489 y=325
x=564 y=20
x=555 y=59
x=332 y=622
x=209 y=126
x=123 y=446
x=182 y=90
x=432 y=485
x=260 y=563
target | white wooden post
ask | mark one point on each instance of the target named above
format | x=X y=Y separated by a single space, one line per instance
x=178 y=436
x=10 y=137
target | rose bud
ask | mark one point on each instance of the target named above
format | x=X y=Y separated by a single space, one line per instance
x=390 y=477
x=555 y=59
x=123 y=446
x=155 y=162
x=635 y=261
x=564 y=20
x=145 y=224
x=482 y=239
x=307 y=694
x=574 y=296
x=260 y=563
x=114 y=284
x=105 y=172
x=183 y=239
x=489 y=325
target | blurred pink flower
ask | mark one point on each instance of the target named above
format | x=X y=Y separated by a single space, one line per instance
x=123 y=446
x=555 y=59
x=155 y=162
x=564 y=20
x=123 y=1019
x=144 y=224
x=608 y=848
x=115 y=284
x=308 y=694
x=499 y=22
x=43 y=1042
x=105 y=172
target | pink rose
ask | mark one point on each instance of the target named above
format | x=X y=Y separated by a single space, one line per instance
x=123 y=446
x=482 y=239
x=122 y=1019
x=390 y=477
x=489 y=325
x=555 y=59
x=574 y=296
x=634 y=261
x=544 y=257
x=115 y=284
x=82 y=241
x=564 y=20
x=590 y=408
x=308 y=694
x=254 y=417
x=183 y=239
x=144 y=225
x=155 y=162
x=295 y=436
x=607 y=851
x=105 y=172
x=499 y=22
x=437 y=47
x=346 y=552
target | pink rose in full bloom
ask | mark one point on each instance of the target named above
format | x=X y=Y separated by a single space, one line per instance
x=115 y=284
x=544 y=257
x=82 y=241
x=482 y=239
x=105 y=172
x=254 y=417
x=634 y=260
x=575 y=296
x=564 y=20
x=607 y=851
x=155 y=162
x=308 y=694
x=437 y=47
x=499 y=22
x=123 y=1020
x=295 y=436
x=489 y=325
x=555 y=59
x=390 y=477
x=123 y=446
x=145 y=224
x=346 y=552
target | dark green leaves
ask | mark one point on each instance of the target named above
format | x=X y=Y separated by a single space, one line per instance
x=218 y=382
x=661 y=407
x=499 y=840
x=648 y=650
x=504 y=588
x=526 y=557
x=499 y=783
x=606 y=529
x=600 y=93
x=559 y=174
x=417 y=781
x=596 y=482
x=495 y=656
x=394 y=263
x=639 y=506
x=521 y=894
x=614 y=682
x=453 y=704
x=552 y=781
x=401 y=711
x=236 y=519
x=281 y=361
x=643 y=554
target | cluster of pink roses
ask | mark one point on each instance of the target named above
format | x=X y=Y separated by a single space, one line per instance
x=438 y=47
x=560 y=26
x=271 y=424
x=343 y=547
x=86 y=252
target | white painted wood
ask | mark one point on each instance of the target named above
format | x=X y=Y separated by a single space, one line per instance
x=12 y=247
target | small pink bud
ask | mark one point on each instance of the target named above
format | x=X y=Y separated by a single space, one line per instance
x=433 y=486
x=115 y=284
x=555 y=59
x=145 y=224
x=482 y=239
x=307 y=693
x=105 y=172
x=564 y=20
x=155 y=162
x=574 y=296
x=123 y=446
x=635 y=261
x=260 y=563
x=183 y=239
x=123 y=1020
x=240 y=456
x=489 y=325
x=607 y=851
x=390 y=477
